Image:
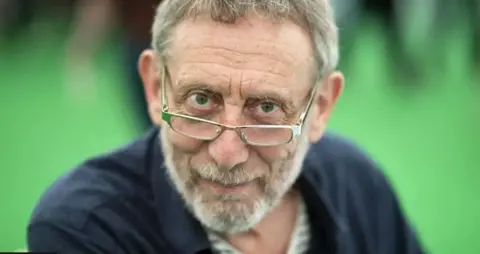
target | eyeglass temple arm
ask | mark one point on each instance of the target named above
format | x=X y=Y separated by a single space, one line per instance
x=162 y=86
x=307 y=109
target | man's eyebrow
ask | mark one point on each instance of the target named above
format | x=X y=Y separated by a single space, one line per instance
x=282 y=98
x=279 y=96
x=185 y=87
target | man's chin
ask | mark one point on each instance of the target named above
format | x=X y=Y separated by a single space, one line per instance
x=229 y=216
x=227 y=223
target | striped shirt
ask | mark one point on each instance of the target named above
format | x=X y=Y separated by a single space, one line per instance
x=299 y=240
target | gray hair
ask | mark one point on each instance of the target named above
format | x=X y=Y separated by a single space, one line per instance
x=314 y=15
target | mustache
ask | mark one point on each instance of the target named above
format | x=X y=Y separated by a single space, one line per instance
x=234 y=176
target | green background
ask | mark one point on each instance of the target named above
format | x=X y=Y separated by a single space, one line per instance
x=427 y=137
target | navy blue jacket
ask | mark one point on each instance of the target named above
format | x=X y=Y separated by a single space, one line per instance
x=123 y=202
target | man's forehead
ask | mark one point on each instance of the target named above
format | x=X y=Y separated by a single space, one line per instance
x=281 y=40
x=245 y=83
x=253 y=57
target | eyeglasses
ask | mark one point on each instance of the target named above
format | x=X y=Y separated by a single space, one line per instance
x=256 y=135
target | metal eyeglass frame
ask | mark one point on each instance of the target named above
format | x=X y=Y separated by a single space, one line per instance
x=295 y=130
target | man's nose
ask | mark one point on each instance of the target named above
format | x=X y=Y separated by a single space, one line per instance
x=228 y=150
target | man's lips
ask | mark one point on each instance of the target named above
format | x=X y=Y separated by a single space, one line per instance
x=227 y=188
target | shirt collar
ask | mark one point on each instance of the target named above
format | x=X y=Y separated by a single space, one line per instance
x=300 y=234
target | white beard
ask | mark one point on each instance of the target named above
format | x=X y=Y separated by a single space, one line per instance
x=227 y=215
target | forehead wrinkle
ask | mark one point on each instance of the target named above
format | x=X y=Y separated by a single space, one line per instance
x=232 y=38
x=230 y=82
x=191 y=74
x=234 y=49
x=252 y=63
x=230 y=53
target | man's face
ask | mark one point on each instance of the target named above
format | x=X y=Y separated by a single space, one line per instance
x=247 y=73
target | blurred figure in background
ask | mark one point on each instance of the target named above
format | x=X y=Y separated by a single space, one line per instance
x=21 y=17
x=447 y=14
x=351 y=12
x=476 y=24
x=409 y=27
x=93 y=20
x=15 y=16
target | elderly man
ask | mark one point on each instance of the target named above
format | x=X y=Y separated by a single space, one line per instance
x=242 y=163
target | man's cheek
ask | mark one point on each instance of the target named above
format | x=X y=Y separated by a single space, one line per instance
x=184 y=143
x=277 y=153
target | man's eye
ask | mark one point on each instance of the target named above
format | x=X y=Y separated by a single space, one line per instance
x=200 y=100
x=267 y=107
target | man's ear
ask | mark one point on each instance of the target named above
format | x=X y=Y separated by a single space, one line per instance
x=149 y=73
x=329 y=90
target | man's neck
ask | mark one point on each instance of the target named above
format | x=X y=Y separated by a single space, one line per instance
x=273 y=233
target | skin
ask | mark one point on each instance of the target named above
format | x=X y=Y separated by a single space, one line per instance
x=241 y=63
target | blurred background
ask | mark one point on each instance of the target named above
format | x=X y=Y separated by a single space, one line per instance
x=69 y=90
